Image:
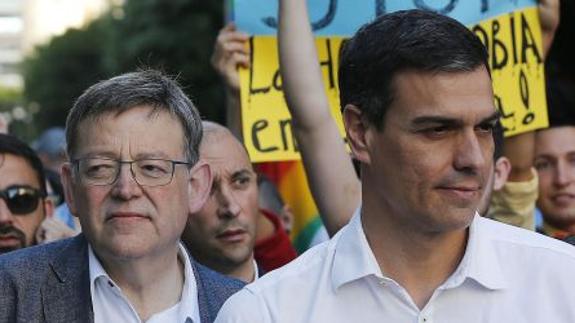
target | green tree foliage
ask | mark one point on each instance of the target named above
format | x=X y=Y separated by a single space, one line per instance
x=176 y=36
x=9 y=98
x=10 y=101
x=59 y=71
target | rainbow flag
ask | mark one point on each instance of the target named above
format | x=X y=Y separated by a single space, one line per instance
x=291 y=181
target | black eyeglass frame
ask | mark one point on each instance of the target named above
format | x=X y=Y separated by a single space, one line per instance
x=9 y=198
x=76 y=165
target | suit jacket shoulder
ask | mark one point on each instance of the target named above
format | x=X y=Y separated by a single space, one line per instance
x=46 y=283
x=51 y=283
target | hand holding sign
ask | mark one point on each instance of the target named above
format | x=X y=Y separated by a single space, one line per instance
x=230 y=52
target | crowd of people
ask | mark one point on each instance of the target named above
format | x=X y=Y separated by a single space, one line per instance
x=140 y=211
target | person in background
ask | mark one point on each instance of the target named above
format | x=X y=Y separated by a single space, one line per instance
x=270 y=199
x=24 y=205
x=230 y=233
x=51 y=148
x=555 y=162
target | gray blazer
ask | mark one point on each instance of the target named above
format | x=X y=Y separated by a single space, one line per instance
x=51 y=283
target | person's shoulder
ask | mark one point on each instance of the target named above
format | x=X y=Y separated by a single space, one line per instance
x=36 y=255
x=243 y=306
x=28 y=266
x=305 y=268
x=519 y=239
x=256 y=301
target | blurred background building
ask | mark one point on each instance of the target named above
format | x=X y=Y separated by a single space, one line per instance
x=11 y=31
x=27 y=23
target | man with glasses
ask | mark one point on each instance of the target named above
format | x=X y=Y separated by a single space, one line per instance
x=23 y=202
x=133 y=175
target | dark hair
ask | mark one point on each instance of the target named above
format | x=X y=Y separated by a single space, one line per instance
x=399 y=41
x=560 y=101
x=146 y=87
x=14 y=146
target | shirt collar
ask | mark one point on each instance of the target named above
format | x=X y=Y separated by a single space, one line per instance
x=256 y=271
x=354 y=259
x=480 y=262
x=96 y=269
x=188 y=301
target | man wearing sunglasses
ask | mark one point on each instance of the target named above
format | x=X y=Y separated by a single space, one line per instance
x=132 y=177
x=23 y=202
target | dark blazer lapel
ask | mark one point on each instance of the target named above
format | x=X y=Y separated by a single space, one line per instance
x=66 y=290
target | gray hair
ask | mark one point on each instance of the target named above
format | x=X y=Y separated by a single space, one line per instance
x=121 y=93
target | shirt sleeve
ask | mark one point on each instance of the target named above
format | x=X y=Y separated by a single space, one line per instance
x=244 y=306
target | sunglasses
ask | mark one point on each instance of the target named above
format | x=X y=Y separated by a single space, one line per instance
x=21 y=200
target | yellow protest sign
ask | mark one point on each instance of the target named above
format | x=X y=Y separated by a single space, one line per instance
x=266 y=120
x=514 y=45
x=513 y=41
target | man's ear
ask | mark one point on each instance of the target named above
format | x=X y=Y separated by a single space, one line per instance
x=502 y=170
x=67 y=185
x=356 y=129
x=200 y=185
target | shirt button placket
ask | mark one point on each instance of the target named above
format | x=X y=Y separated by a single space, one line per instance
x=424 y=317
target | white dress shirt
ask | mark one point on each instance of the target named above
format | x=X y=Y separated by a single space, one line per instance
x=111 y=305
x=507 y=274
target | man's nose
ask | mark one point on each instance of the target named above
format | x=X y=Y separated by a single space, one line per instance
x=229 y=206
x=472 y=153
x=125 y=186
x=564 y=174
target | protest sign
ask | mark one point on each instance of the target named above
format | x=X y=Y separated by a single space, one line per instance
x=509 y=29
x=266 y=120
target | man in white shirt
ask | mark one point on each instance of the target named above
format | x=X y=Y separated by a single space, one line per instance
x=418 y=111
x=132 y=177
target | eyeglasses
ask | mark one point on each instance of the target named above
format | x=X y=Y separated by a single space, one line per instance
x=21 y=200
x=146 y=172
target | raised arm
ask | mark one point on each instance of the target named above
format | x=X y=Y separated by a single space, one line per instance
x=230 y=52
x=549 y=18
x=331 y=176
x=520 y=148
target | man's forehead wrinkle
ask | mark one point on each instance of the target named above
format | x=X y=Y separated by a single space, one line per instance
x=154 y=112
x=222 y=166
x=131 y=149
